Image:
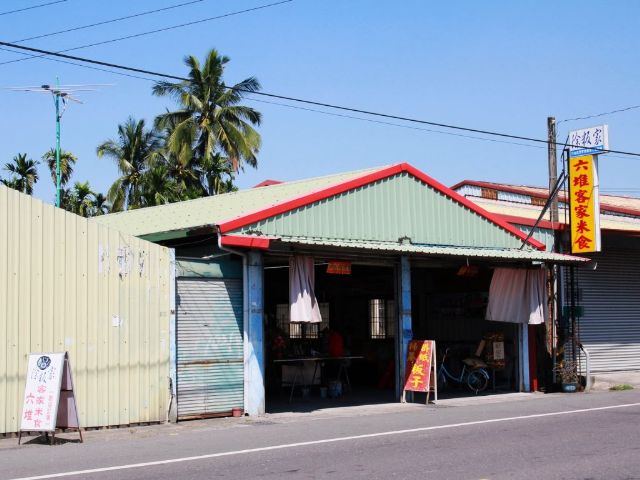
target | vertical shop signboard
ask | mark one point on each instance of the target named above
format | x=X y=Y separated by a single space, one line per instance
x=585 y=145
x=49 y=400
x=584 y=204
x=421 y=368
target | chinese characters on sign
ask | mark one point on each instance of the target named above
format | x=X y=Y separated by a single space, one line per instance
x=588 y=141
x=419 y=365
x=584 y=204
x=42 y=392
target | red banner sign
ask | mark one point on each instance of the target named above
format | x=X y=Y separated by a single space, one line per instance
x=419 y=365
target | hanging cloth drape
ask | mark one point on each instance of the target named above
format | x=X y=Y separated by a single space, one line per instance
x=518 y=296
x=302 y=297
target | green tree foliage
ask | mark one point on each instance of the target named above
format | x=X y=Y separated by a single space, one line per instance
x=211 y=122
x=132 y=152
x=67 y=163
x=24 y=173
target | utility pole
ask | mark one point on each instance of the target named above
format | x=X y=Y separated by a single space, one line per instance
x=56 y=99
x=553 y=166
x=552 y=276
x=64 y=92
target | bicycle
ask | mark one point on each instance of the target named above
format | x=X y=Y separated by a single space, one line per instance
x=473 y=374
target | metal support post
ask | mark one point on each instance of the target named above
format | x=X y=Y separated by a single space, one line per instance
x=255 y=356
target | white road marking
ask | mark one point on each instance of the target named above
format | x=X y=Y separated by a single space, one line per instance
x=319 y=442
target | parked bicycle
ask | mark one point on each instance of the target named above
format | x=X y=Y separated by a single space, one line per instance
x=473 y=374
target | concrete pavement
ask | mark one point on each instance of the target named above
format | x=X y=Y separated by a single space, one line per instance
x=536 y=436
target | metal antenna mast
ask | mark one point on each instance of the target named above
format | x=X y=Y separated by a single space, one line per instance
x=64 y=93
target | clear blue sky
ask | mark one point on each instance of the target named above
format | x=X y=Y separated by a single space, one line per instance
x=498 y=65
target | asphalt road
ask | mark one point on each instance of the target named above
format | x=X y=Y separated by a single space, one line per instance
x=579 y=436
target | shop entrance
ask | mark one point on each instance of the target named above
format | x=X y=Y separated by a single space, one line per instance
x=348 y=358
x=449 y=306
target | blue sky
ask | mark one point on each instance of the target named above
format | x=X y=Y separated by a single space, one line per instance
x=495 y=65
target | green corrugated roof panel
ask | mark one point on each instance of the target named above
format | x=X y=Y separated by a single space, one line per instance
x=384 y=211
x=173 y=220
x=431 y=250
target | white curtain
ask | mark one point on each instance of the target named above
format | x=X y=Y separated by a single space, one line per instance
x=302 y=298
x=518 y=296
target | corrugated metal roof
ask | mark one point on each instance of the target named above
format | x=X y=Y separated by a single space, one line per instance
x=617 y=203
x=532 y=212
x=384 y=210
x=438 y=250
x=182 y=216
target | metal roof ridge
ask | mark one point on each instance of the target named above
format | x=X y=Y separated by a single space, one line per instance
x=247 y=190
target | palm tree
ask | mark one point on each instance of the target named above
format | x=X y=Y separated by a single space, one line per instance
x=24 y=171
x=213 y=113
x=100 y=205
x=132 y=152
x=81 y=199
x=158 y=187
x=67 y=162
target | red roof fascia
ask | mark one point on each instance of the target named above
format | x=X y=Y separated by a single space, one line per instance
x=529 y=222
x=365 y=180
x=245 y=242
x=525 y=190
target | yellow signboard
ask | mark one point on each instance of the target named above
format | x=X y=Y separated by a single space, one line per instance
x=584 y=204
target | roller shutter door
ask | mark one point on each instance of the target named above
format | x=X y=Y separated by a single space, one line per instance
x=210 y=371
x=610 y=295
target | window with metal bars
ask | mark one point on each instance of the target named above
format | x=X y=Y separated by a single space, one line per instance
x=382 y=318
x=301 y=330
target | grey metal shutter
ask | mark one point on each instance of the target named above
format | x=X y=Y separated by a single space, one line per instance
x=610 y=295
x=210 y=347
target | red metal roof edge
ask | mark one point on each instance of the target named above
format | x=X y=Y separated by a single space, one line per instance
x=522 y=190
x=245 y=242
x=327 y=192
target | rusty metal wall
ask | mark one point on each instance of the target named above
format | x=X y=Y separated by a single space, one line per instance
x=71 y=284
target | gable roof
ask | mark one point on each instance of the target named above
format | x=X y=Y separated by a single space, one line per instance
x=174 y=220
x=456 y=220
x=234 y=211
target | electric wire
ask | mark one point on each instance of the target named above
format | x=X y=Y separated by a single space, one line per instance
x=114 y=72
x=381 y=122
x=106 y=22
x=32 y=7
x=158 y=30
x=308 y=102
x=604 y=114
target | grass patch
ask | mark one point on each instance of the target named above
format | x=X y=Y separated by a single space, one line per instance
x=624 y=386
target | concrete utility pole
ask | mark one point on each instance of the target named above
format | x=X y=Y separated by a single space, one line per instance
x=552 y=278
x=553 y=165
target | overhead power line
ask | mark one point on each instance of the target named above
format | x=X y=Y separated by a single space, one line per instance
x=307 y=102
x=158 y=30
x=106 y=22
x=32 y=7
x=604 y=114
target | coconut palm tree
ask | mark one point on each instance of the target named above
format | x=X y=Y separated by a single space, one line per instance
x=67 y=162
x=81 y=199
x=132 y=152
x=213 y=113
x=24 y=172
x=158 y=187
x=101 y=205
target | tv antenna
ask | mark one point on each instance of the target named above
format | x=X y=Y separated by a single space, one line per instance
x=64 y=93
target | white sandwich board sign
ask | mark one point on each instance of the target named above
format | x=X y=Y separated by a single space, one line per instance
x=49 y=400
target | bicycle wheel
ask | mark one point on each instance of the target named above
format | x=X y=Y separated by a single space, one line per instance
x=477 y=380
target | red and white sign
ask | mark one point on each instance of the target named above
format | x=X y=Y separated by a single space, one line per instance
x=49 y=401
